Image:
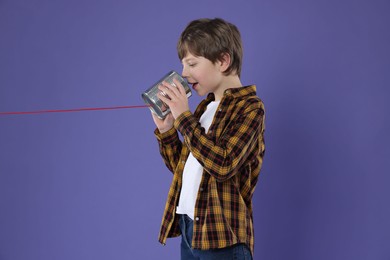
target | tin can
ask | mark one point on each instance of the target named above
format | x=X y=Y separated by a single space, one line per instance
x=150 y=97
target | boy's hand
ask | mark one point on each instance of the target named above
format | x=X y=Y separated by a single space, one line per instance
x=176 y=97
x=165 y=124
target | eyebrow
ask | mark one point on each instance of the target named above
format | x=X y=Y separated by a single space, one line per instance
x=187 y=60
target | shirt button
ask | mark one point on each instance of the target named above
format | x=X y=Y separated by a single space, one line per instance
x=220 y=110
x=183 y=162
x=197 y=219
x=201 y=189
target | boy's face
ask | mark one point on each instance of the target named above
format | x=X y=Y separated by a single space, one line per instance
x=204 y=75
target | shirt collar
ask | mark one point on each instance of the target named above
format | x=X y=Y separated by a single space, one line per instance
x=235 y=92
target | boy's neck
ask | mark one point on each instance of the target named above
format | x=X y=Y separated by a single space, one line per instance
x=230 y=81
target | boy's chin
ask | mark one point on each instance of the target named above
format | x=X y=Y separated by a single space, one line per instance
x=200 y=92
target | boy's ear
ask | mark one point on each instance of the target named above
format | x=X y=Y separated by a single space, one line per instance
x=224 y=60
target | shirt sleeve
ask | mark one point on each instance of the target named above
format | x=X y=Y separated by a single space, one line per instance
x=170 y=147
x=223 y=158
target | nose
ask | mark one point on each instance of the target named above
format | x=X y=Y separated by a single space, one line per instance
x=184 y=72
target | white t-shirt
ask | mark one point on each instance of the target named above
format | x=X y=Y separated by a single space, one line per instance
x=192 y=174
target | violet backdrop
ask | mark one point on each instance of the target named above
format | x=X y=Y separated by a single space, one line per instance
x=92 y=185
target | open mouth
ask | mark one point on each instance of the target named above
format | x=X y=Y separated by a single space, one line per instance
x=194 y=85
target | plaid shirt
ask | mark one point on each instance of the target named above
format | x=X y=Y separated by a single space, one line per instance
x=231 y=154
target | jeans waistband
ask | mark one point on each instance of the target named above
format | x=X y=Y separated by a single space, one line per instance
x=187 y=220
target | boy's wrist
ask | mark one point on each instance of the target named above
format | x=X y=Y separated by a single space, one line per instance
x=164 y=130
x=165 y=137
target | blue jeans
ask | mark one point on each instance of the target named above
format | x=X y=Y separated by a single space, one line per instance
x=238 y=251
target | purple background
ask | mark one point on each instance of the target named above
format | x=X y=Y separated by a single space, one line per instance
x=91 y=185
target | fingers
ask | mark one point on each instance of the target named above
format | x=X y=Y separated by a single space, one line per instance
x=179 y=87
x=164 y=99
x=174 y=97
x=172 y=90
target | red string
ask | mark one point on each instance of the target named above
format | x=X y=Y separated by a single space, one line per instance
x=70 y=110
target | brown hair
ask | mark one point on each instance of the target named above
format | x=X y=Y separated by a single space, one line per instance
x=212 y=38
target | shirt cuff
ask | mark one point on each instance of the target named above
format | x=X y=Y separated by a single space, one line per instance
x=166 y=137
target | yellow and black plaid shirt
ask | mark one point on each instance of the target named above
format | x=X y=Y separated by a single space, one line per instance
x=231 y=154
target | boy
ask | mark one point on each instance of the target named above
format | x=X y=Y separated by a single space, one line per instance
x=216 y=167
